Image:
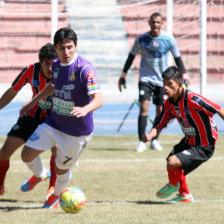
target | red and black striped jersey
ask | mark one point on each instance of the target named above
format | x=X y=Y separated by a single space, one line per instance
x=195 y=116
x=33 y=75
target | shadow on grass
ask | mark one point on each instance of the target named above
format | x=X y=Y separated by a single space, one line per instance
x=9 y=208
x=109 y=149
x=15 y=208
x=127 y=202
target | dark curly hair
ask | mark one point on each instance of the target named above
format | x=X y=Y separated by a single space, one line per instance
x=47 y=51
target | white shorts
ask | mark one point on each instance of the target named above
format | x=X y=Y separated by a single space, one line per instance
x=69 y=147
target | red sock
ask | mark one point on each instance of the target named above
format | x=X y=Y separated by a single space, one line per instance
x=174 y=175
x=183 y=184
x=4 y=166
x=53 y=173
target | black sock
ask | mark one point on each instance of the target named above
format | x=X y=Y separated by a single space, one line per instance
x=142 y=123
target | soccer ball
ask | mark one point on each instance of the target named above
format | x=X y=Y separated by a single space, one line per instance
x=72 y=199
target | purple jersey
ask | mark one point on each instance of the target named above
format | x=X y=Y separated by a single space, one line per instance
x=73 y=84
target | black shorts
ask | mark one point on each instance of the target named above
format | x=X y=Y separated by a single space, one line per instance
x=191 y=156
x=24 y=127
x=148 y=91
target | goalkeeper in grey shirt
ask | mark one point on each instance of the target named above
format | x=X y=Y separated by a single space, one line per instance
x=154 y=46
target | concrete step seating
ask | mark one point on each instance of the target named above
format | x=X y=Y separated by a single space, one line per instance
x=30 y=6
x=25 y=26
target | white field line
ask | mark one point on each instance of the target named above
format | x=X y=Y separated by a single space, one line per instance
x=120 y=160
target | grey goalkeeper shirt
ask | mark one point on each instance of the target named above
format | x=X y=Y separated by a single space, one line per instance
x=154 y=55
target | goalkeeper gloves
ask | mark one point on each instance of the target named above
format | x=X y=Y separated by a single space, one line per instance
x=186 y=82
x=122 y=81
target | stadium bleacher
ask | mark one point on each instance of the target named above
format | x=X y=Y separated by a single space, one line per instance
x=25 y=26
x=135 y=20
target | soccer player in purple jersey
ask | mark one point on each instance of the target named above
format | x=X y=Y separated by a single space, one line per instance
x=195 y=116
x=76 y=94
x=154 y=46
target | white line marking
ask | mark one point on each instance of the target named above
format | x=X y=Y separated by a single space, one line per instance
x=118 y=160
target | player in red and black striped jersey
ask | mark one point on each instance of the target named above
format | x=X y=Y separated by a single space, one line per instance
x=195 y=116
x=37 y=75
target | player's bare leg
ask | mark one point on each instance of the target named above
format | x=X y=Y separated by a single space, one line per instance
x=31 y=157
x=10 y=146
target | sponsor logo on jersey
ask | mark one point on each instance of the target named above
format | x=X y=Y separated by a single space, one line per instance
x=156 y=44
x=68 y=87
x=44 y=105
x=189 y=131
x=35 y=83
x=72 y=76
x=91 y=76
x=62 y=107
x=35 y=136
x=55 y=75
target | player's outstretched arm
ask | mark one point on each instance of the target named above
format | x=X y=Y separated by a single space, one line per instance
x=7 y=97
x=96 y=102
x=47 y=91
x=221 y=113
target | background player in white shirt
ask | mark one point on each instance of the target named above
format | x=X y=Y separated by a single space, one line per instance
x=154 y=46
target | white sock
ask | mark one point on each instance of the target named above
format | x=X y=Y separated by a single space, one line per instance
x=37 y=167
x=62 y=182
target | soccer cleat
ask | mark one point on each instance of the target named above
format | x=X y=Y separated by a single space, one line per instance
x=155 y=145
x=2 y=189
x=167 y=190
x=52 y=202
x=141 y=147
x=31 y=182
x=50 y=191
x=182 y=198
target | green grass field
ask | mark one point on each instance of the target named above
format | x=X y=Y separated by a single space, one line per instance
x=120 y=186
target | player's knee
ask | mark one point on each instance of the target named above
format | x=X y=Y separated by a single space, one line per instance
x=54 y=151
x=173 y=162
x=3 y=154
x=60 y=171
x=26 y=155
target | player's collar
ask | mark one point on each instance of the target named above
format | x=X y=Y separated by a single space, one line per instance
x=72 y=61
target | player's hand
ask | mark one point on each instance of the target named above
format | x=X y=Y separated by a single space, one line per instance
x=122 y=82
x=26 y=108
x=186 y=82
x=146 y=138
x=79 y=111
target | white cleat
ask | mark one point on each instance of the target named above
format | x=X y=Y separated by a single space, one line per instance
x=141 y=147
x=155 y=145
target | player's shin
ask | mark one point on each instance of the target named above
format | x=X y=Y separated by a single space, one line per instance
x=53 y=173
x=62 y=182
x=142 y=123
x=37 y=167
x=4 y=166
x=183 y=185
x=174 y=175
